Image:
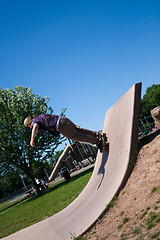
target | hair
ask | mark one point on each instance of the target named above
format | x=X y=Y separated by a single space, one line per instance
x=27 y=120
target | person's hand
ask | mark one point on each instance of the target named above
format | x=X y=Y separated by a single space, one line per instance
x=32 y=143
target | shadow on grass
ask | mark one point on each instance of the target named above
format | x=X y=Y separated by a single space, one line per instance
x=13 y=204
x=51 y=188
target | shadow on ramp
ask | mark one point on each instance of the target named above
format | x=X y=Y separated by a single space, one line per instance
x=105 y=155
x=109 y=176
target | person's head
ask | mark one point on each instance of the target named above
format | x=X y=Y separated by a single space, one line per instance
x=28 y=121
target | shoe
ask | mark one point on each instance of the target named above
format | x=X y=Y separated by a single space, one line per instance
x=105 y=143
x=102 y=144
x=99 y=141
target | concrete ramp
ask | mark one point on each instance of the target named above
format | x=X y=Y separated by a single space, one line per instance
x=59 y=163
x=111 y=171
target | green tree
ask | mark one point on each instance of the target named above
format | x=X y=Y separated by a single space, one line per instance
x=38 y=168
x=15 y=150
x=9 y=181
x=150 y=100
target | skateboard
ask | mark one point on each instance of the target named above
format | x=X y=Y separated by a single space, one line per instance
x=105 y=143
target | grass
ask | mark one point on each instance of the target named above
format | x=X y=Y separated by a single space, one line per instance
x=35 y=209
x=124 y=220
x=155 y=235
x=4 y=205
x=79 y=238
x=112 y=203
x=137 y=230
x=154 y=189
x=121 y=213
x=150 y=220
x=145 y=213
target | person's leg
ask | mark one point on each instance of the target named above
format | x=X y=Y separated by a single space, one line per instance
x=71 y=131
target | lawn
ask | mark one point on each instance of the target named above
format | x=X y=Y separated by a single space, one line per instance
x=35 y=209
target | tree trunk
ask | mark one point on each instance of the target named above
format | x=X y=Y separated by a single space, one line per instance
x=34 y=183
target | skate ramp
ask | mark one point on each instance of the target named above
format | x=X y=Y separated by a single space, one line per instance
x=111 y=171
x=59 y=163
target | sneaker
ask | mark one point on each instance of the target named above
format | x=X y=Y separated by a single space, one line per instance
x=100 y=146
x=99 y=141
x=103 y=144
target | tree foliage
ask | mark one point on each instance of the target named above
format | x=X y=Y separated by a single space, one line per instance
x=16 y=153
x=10 y=180
x=150 y=100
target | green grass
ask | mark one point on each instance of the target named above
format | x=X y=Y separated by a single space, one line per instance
x=112 y=203
x=155 y=235
x=121 y=213
x=150 y=220
x=79 y=238
x=154 y=189
x=124 y=220
x=4 y=205
x=33 y=210
x=137 y=231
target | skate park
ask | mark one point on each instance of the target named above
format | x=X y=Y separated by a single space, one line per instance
x=111 y=171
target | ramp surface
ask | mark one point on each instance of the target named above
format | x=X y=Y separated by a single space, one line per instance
x=59 y=163
x=112 y=168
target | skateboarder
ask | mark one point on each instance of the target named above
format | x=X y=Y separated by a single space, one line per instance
x=59 y=124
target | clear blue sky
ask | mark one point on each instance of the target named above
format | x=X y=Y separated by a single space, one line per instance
x=82 y=54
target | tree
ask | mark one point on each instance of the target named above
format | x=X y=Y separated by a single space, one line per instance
x=15 y=150
x=9 y=181
x=150 y=100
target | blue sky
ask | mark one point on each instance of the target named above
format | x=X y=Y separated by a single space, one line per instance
x=83 y=55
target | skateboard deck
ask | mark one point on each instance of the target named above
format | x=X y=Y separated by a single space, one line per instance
x=105 y=142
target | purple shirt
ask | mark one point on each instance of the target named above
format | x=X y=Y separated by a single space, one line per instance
x=47 y=123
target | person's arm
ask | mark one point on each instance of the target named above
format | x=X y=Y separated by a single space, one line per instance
x=33 y=135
